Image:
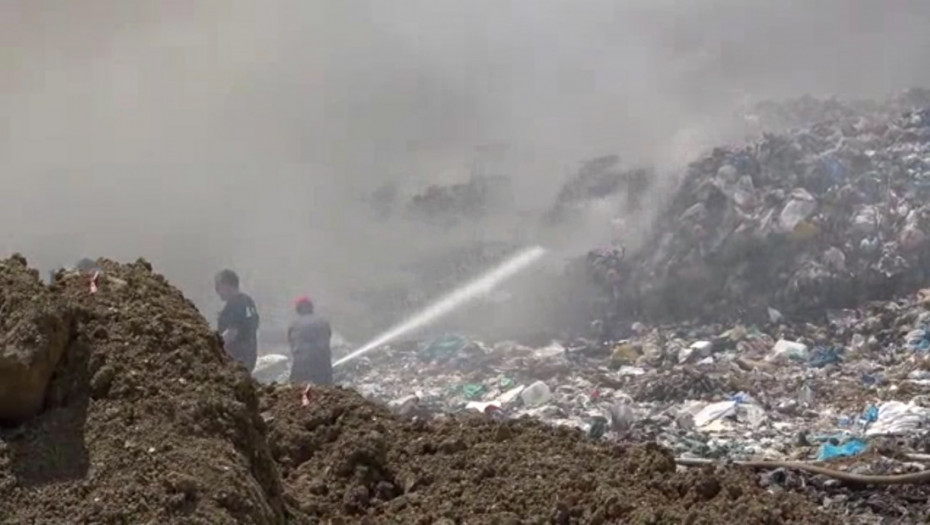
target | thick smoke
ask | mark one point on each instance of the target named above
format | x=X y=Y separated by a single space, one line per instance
x=201 y=134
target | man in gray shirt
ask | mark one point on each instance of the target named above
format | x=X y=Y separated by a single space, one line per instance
x=309 y=337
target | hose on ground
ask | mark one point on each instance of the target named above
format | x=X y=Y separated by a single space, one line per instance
x=913 y=478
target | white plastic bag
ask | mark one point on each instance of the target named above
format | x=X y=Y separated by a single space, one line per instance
x=713 y=412
x=785 y=350
x=896 y=418
x=536 y=394
x=272 y=367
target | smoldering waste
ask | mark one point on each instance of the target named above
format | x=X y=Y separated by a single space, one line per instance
x=145 y=421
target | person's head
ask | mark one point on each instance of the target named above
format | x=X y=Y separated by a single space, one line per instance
x=226 y=284
x=303 y=305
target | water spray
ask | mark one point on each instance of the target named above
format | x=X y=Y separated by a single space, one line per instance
x=448 y=303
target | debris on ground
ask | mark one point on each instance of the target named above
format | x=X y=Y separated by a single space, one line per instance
x=343 y=457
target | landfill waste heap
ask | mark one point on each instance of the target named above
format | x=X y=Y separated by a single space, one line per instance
x=119 y=406
x=780 y=332
x=827 y=215
x=598 y=178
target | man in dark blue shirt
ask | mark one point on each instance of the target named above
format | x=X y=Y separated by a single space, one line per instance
x=238 y=322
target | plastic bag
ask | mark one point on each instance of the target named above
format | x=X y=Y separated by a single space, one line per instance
x=897 y=418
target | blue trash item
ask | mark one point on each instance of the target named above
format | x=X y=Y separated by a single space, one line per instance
x=871 y=414
x=834 y=170
x=743 y=162
x=822 y=356
x=853 y=447
x=741 y=397
x=443 y=347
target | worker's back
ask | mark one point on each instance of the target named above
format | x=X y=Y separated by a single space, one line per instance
x=311 y=355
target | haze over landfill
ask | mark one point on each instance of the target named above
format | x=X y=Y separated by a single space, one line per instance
x=528 y=261
x=207 y=134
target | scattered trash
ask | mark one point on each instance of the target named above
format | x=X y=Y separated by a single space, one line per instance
x=897 y=418
x=850 y=448
x=536 y=394
x=713 y=412
x=510 y=395
x=272 y=368
x=622 y=416
x=473 y=391
x=623 y=354
x=597 y=427
x=443 y=347
x=483 y=407
x=821 y=356
x=784 y=350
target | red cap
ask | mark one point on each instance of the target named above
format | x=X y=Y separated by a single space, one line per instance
x=303 y=299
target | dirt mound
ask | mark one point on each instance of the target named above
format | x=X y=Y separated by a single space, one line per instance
x=34 y=332
x=145 y=420
x=347 y=460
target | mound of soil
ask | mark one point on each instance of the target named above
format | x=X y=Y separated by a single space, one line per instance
x=34 y=332
x=145 y=419
x=346 y=460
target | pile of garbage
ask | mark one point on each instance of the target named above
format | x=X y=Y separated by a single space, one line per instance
x=856 y=388
x=826 y=216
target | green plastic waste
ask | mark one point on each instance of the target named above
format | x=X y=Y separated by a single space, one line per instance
x=473 y=390
x=597 y=427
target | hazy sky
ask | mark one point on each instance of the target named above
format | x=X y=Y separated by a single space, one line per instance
x=231 y=132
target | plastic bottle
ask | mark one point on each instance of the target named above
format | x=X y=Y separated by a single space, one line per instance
x=536 y=394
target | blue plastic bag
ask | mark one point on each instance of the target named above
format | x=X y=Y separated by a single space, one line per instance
x=853 y=447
